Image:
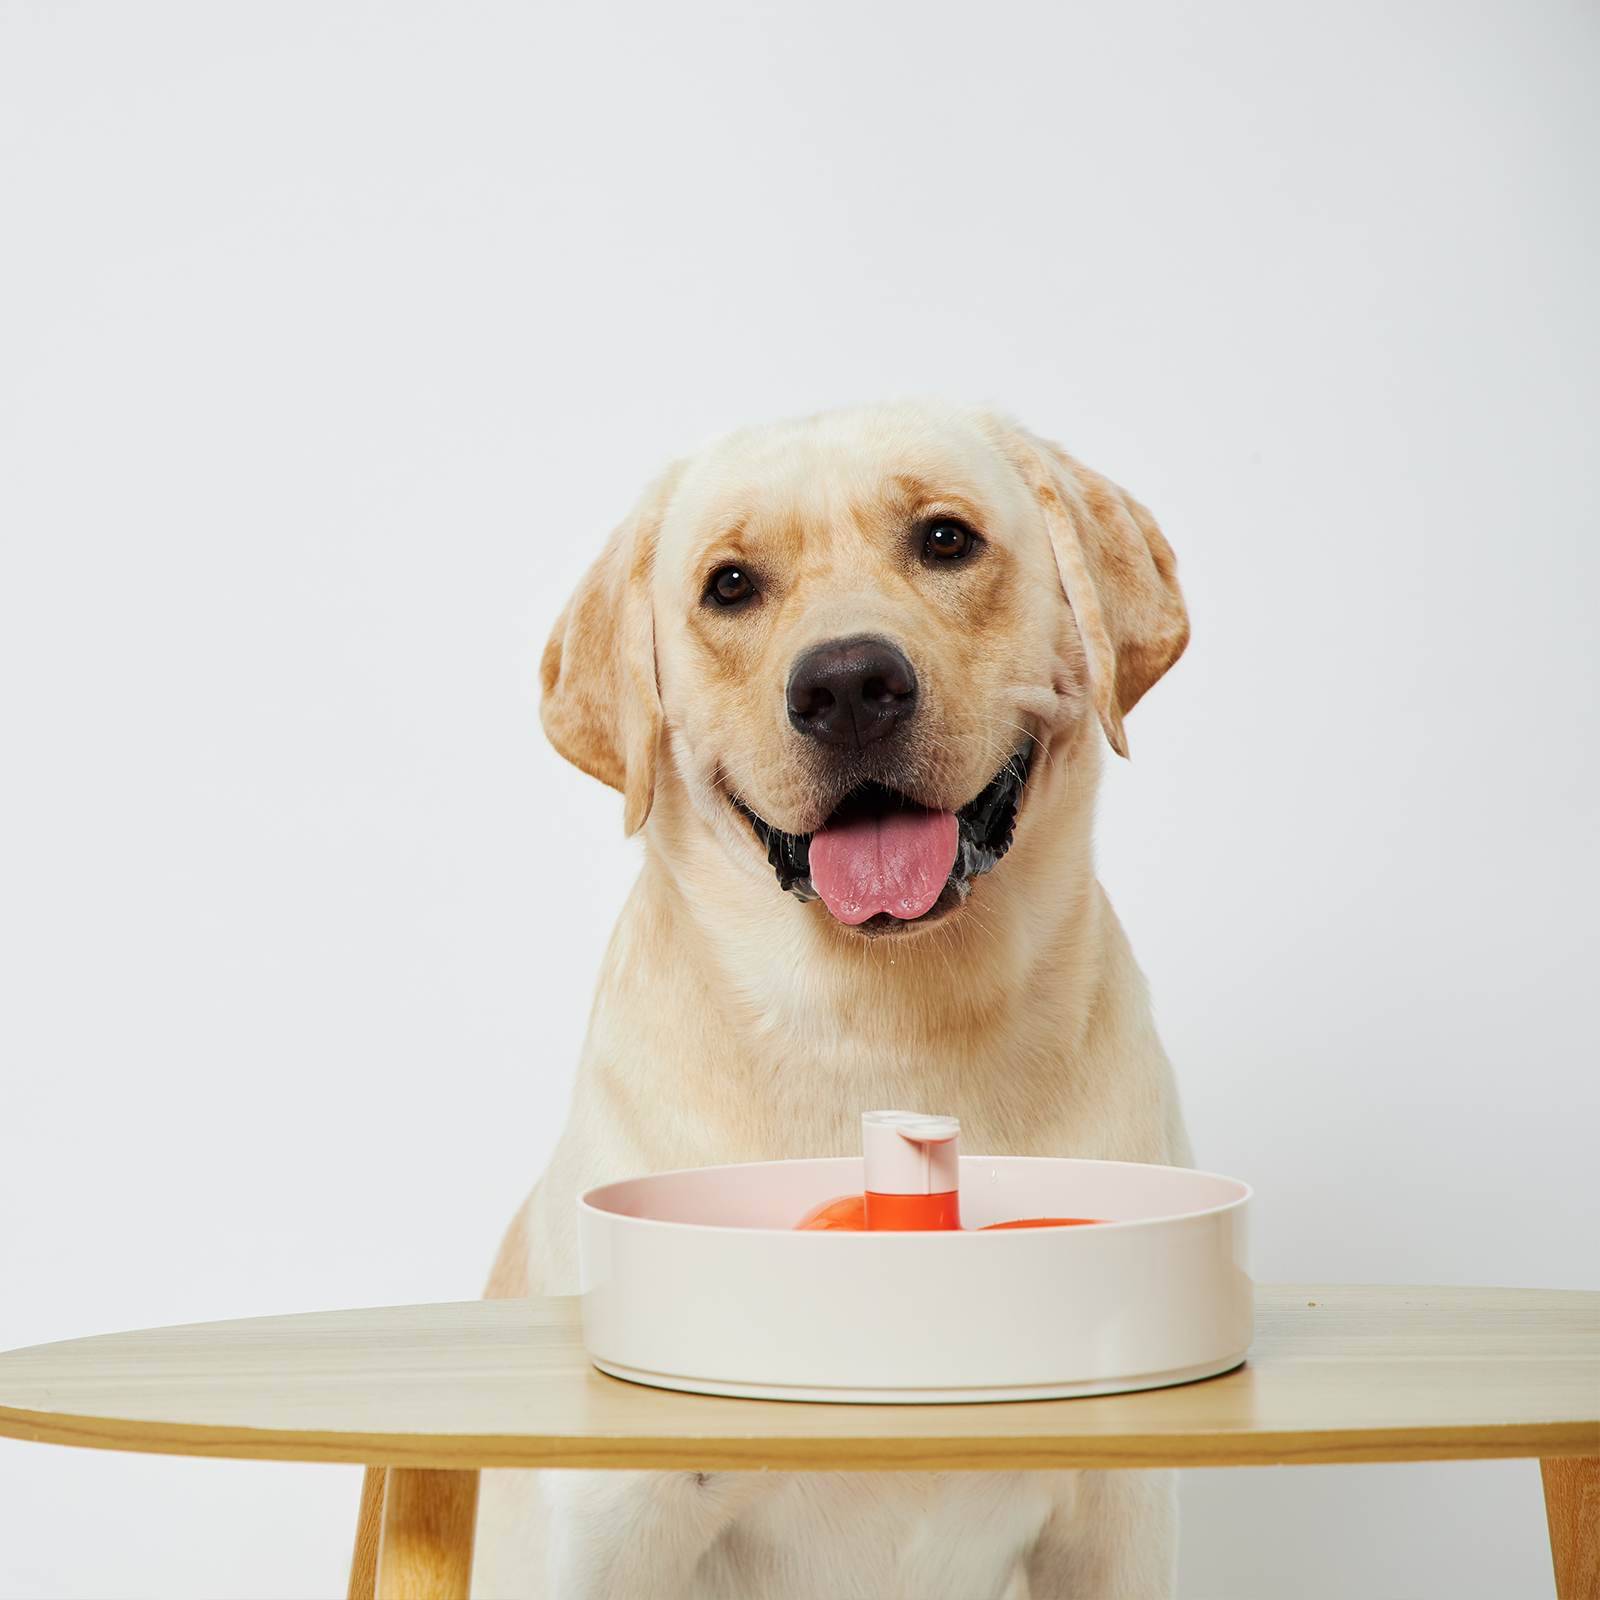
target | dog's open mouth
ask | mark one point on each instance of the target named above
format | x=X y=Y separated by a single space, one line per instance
x=881 y=859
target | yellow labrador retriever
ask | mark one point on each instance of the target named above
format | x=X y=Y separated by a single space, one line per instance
x=850 y=675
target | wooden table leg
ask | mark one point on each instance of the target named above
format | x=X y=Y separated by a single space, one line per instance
x=369 y=1522
x=1572 y=1507
x=430 y=1518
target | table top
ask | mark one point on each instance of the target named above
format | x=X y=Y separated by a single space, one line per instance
x=1337 y=1373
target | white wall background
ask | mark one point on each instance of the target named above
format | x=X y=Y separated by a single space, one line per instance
x=334 y=338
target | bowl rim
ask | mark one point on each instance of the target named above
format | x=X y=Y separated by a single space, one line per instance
x=585 y=1202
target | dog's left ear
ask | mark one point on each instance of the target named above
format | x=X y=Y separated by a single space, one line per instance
x=1120 y=578
x=600 y=706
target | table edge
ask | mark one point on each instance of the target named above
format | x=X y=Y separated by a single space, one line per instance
x=1465 y=1442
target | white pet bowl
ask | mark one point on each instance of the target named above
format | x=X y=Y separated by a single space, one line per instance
x=696 y=1280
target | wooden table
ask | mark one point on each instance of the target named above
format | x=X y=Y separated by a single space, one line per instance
x=427 y=1395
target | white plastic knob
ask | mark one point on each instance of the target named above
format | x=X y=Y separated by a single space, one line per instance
x=909 y=1153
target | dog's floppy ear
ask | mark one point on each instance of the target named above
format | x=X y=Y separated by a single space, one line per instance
x=600 y=707
x=1120 y=578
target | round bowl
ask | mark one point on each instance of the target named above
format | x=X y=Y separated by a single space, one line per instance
x=697 y=1280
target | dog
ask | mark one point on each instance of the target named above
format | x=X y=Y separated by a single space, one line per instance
x=816 y=660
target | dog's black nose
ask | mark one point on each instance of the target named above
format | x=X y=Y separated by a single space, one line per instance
x=851 y=691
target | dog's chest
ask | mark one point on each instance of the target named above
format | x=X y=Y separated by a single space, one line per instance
x=921 y=1536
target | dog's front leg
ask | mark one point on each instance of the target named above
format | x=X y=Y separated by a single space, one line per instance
x=1111 y=1536
x=637 y=1535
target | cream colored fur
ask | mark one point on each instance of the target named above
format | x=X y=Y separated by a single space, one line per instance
x=733 y=1023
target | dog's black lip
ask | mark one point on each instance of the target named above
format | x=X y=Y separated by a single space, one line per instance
x=986 y=824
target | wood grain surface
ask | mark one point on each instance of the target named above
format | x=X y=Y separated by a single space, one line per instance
x=1572 y=1506
x=1337 y=1373
x=430 y=1519
x=369 y=1529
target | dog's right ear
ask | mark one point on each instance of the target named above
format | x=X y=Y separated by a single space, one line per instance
x=600 y=706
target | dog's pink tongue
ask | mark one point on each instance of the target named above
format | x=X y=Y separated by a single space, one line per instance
x=896 y=863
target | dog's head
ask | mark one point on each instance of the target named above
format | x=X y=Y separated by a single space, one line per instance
x=852 y=639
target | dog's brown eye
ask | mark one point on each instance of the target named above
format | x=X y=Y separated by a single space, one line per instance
x=731 y=585
x=948 y=540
